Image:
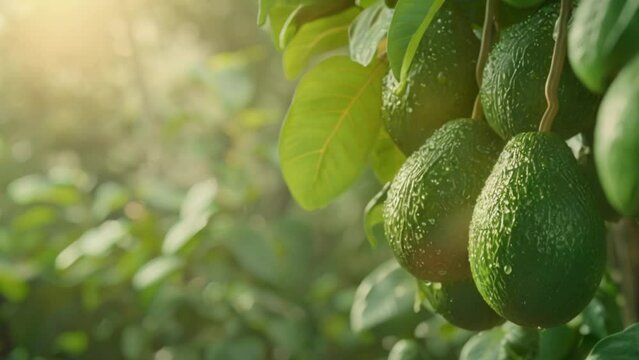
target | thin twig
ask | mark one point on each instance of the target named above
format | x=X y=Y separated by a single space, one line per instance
x=486 y=42
x=556 y=68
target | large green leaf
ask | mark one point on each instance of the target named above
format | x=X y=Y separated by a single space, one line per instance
x=315 y=38
x=410 y=21
x=384 y=294
x=620 y=346
x=330 y=129
x=367 y=31
x=373 y=219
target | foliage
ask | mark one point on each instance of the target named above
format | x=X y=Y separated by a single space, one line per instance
x=331 y=134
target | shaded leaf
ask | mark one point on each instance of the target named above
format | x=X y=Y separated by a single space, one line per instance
x=367 y=31
x=315 y=38
x=386 y=158
x=330 y=129
x=405 y=350
x=384 y=294
x=484 y=345
x=373 y=217
x=620 y=346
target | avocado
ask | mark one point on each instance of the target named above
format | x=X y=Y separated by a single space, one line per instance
x=617 y=141
x=512 y=92
x=536 y=241
x=441 y=82
x=461 y=305
x=604 y=36
x=430 y=200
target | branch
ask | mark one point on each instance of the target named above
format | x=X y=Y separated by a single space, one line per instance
x=484 y=50
x=556 y=68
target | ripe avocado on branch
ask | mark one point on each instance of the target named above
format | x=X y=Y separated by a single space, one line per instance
x=441 y=82
x=430 y=201
x=460 y=304
x=512 y=92
x=536 y=241
x=617 y=141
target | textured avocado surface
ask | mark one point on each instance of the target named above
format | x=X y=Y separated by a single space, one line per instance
x=461 y=304
x=430 y=201
x=536 y=243
x=441 y=82
x=604 y=36
x=512 y=92
x=617 y=141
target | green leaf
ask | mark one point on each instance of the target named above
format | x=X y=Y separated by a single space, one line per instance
x=264 y=7
x=365 y=3
x=94 y=242
x=367 y=31
x=155 y=271
x=109 y=197
x=620 y=346
x=330 y=129
x=315 y=38
x=483 y=346
x=373 y=219
x=556 y=343
x=13 y=285
x=181 y=232
x=384 y=294
x=519 y=343
x=405 y=350
x=199 y=199
x=386 y=158
x=73 y=342
x=410 y=21
x=35 y=188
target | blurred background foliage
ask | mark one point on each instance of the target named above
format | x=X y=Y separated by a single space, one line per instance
x=144 y=213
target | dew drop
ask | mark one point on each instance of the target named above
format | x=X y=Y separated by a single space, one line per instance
x=508 y=269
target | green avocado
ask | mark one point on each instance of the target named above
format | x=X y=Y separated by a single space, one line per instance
x=461 y=304
x=617 y=141
x=604 y=36
x=536 y=240
x=430 y=201
x=523 y=3
x=441 y=82
x=512 y=92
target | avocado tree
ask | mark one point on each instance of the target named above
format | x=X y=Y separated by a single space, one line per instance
x=504 y=138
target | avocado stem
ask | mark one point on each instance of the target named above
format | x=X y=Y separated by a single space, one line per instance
x=556 y=68
x=484 y=50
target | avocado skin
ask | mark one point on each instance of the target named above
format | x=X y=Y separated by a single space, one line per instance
x=617 y=141
x=512 y=92
x=430 y=201
x=536 y=241
x=461 y=305
x=441 y=82
x=597 y=49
